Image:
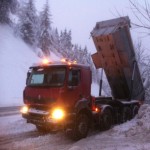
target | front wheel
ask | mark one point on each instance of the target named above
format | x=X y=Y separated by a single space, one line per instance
x=81 y=127
x=43 y=129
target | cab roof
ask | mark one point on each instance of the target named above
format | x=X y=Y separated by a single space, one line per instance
x=59 y=63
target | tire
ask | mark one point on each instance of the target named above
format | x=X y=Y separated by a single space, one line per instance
x=43 y=129
x=81 y=127
x=127 y=114
x=135 y=111
x=106 y=120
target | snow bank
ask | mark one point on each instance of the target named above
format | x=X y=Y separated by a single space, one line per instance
x=139 y=125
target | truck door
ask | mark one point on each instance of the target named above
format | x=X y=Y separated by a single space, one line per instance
x=74 y=86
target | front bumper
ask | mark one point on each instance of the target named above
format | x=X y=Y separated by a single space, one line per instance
x=41 y=118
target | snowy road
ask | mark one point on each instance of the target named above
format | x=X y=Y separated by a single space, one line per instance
x=6 y=111
x=6 y=139
x=16 y=134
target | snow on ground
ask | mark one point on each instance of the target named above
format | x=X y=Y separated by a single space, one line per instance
x=140 y=124
x=132 y=135
x=14 y=125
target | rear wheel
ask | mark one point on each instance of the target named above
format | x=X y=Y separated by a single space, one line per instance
x=106 y=120
x=135 y=111
x=81 y=127
x=127 y=114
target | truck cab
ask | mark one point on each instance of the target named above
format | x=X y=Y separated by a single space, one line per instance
x=55 y=92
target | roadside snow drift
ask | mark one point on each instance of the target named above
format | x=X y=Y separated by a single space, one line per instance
x=15 y=59
x=139 y=125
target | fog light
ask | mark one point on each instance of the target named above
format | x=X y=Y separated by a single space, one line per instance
x=58 y=114
x=24 y=110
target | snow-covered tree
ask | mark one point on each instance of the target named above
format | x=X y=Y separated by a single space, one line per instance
x=55 y=41
x=7 y=6
x=74 y=52
x=45 y=32
x=144 y=66
x=66 y=43
x=141 y=57
x=28 y=23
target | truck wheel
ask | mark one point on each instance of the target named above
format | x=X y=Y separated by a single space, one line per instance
x=42 y=129
x=135 y=111
x=106 y=120
x=81 y=127
x=127 y=114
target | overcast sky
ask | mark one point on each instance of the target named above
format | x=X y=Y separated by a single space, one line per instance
x=80 y=16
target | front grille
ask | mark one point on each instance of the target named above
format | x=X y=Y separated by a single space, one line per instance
x=40 y=101
x=41 y=107
x=37 y=116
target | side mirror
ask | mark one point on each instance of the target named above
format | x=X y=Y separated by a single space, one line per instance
x=28 y=75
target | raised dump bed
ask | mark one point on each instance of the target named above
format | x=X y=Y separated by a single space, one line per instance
x=115 y=54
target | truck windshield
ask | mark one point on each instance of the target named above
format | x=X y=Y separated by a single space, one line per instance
x=47 y=77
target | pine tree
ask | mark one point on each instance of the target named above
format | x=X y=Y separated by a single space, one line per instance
x=45 y=33
x=56 y=40
x=28 y=23
x=7 y=6
x=66 y=44
x=74 y=53
x=85 y=55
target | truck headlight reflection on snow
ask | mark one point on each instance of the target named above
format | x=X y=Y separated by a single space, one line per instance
x=24 y=110
x=58 y=114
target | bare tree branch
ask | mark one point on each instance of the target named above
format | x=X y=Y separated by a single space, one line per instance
x=139 y=9
x=141 y=12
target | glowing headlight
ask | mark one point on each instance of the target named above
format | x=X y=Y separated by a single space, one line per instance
x=24 y=110
x=58 y=114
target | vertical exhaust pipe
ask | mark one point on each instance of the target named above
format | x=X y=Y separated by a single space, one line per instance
x=132 y=80
x=101 y=82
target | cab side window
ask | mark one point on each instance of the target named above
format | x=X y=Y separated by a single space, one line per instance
x=74 y=77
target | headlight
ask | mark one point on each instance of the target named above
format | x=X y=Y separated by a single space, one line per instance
x=58 y=114
x=24 y=109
